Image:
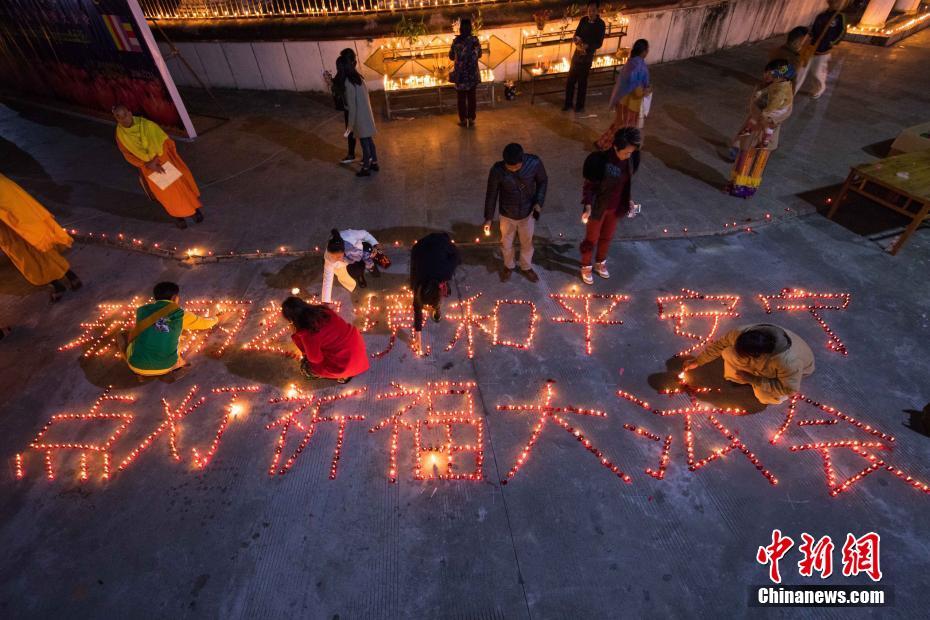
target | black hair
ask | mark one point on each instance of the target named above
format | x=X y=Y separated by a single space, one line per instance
x=797 y=32
x=513 y=154
x=340 y=78
x=596 y=3
x=165 y=290
x=303 y=315
x=351 y=63
x=640 y=47
x=627 y=136
x=335 y=243
x=465 y=27
x=428 y=294
x=754 y=342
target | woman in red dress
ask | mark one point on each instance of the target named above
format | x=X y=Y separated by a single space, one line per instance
x=332 y=348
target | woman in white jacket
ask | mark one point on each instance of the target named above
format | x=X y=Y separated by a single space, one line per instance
x=347 y=257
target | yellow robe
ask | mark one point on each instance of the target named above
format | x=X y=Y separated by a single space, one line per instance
x=29 y=235
x=145 y=141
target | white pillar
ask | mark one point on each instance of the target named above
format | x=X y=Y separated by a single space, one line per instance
x=876 y=13
x=907 y=6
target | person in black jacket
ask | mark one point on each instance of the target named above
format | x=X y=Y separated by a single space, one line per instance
x=433 y=260
x=589 y=37
x=519 y=182
x=826 y=32
x=606 y=197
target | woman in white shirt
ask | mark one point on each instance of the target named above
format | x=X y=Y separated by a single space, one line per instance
x=347 y=257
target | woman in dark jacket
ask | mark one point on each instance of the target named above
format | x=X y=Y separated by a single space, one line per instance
x=465 y=51
x=339 y=94
x=606 y=197
x=433 y=261
x=331 y=348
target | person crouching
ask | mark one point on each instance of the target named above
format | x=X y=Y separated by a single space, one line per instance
x=331 y=348
x=771 y=359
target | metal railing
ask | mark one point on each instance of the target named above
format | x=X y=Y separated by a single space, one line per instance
x=235 y=9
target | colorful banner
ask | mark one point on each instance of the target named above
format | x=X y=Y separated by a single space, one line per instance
x=86 y=56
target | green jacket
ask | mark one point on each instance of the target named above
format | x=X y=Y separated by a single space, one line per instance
x=156 y=348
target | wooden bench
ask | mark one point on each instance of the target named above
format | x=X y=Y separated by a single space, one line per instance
x=907 y=194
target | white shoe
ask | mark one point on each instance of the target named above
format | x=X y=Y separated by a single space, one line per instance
x=601 y=269
x=586 y=276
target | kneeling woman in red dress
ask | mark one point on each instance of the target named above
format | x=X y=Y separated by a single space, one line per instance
x=332 y=348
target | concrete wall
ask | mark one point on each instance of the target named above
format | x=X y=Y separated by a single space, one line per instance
x=673 y=34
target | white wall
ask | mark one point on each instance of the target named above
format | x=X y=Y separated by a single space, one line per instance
x=673 y=34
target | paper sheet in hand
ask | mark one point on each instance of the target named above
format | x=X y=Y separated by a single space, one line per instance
x=170 y=175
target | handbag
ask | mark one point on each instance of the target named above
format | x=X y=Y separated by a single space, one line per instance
x=381 y=259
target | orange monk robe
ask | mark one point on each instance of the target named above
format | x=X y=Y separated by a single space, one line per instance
x=29 y=235
x=181 y=198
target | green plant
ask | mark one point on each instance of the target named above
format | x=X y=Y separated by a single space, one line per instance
x=410 y=30
x=477 y=22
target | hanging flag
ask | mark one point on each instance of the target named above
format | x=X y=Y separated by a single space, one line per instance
x=124 y=36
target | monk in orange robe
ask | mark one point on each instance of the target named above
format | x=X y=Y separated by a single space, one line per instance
x=30 y=237
x=147 y=147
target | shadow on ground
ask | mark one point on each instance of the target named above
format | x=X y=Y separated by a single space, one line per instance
x=677 y=158
x=722 y=393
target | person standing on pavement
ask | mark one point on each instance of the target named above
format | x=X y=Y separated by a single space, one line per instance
x=519 y=183
x=146 y=146
x=337 y=85
x=465 y=52
x=606 y=195
x=589 y=37
x=361 y=120
x=32 y=240
x=433 y=261
x=630 y=90
x=827 y=31
x=793 y=51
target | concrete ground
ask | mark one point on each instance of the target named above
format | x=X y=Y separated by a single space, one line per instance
x=565 y=537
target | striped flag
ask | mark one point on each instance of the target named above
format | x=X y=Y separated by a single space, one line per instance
x=124 y=36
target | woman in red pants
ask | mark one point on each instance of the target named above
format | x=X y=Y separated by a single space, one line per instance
x=606 y=198
x=332 y=348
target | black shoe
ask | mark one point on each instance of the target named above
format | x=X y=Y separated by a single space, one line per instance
x=361 y=281
x=180 y=223
x=579 y=110
x=374 y=166
x=566 y=107
x=505 y=274
x=57 y=289
x=364 y=172
x=463 y=123
x=530 y=275
x=437 y=315
x=348 y=159
x=344 y=380
x=73 y=280
x=198 y=216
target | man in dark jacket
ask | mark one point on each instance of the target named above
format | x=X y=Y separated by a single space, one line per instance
x=519 y=182
x=589 y=37
x=826 y=32
x=606 y=197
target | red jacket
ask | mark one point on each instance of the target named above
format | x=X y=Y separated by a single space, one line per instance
x=336 y=351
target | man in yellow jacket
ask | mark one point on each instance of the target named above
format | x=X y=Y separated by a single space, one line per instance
x=770 y=358
x=31 y=238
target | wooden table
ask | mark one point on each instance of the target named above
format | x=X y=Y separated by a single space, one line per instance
x=880 y=182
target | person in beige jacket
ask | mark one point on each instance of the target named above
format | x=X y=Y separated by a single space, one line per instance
x=770 y=358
